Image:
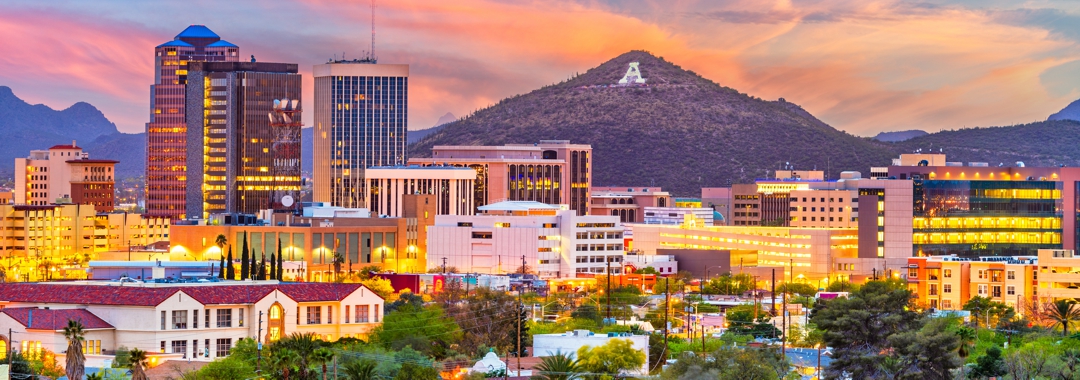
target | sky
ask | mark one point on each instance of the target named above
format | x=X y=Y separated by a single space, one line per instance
x=861 y=66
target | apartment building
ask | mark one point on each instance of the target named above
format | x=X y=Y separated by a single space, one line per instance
x=1058 y=274
x=948 y=282
x=64 y=173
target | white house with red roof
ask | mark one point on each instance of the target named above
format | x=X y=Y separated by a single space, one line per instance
x=181 y=321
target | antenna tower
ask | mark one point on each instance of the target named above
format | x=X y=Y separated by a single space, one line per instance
x=373 y=29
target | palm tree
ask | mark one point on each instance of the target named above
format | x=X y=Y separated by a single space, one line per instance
x=359 y=370
x=304 y=345
x=967 y=340
x=322 y=356
x=75 y=364
x=221 y=241
x=560 y=366
x=285 y=361
x=96 y=375
x=1062 y=312
x=137 y=359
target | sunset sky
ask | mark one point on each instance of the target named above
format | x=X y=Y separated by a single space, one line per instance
x=861 y=66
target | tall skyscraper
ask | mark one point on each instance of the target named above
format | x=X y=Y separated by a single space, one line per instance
x=361 y=121
x=243 y=149
x=166 y=133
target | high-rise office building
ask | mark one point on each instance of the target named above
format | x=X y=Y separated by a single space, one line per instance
x=242 y=155
x=361 y=121
x=166 y=133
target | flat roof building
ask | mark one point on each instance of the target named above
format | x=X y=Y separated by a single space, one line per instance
x=451 y=186
x=64 y=173
x=550 y=171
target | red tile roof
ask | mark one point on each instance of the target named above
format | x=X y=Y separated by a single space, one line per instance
x=134 y=295
x=54 y=319
x=64 y=147
x=92 y=161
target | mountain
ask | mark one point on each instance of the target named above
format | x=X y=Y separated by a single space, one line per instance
x=1070 y=112
x=420 y=134
x=680 y=131
x=1044 y=143
x=898 y=136
x=27 y=127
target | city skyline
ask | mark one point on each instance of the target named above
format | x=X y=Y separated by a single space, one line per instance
x=861 y=68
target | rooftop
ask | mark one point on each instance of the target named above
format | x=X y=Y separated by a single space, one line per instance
x=222 y=43
x=176 y=43
x=197 y=31
x=517 y=206
x=151 y=295
x=54 y=319
x=72 y=146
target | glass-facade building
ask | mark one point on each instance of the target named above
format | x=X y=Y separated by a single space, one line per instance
x=361 y=121
x=986 y=217
x=166 y=133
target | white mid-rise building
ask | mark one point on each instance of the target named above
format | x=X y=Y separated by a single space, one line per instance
x=553 y=240
x=452 y=187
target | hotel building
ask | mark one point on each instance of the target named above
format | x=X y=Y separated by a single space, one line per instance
x=361 y=121
x=554 y=242
x=64 y=172
x=198 y=322
x=451 y=186
x=239 y=160
x=551 y=171
x=166 y=133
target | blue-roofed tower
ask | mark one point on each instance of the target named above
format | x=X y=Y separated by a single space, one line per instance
x=166 y=132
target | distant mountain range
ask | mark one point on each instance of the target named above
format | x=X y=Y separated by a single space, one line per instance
x=899 y=135
x=28 y=127
x=679 y=131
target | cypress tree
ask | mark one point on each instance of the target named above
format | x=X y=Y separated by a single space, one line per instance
x=221 y=269
x=262 y=267
x=273 y=267
x=254 y=267
x=230 y=273
x=244 y=263
x=277 y=270
x=280 y=264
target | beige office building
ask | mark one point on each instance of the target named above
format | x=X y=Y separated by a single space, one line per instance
x=361 y=121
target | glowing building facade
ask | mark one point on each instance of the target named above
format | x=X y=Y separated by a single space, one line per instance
x=166 y=133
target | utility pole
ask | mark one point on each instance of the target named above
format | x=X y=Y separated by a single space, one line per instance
x=608 y=260
x=667 y=303
x=444 y=265
x=517 y=315
x=10 y=348
x=259 y=351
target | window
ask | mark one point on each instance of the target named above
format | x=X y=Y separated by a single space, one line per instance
x=163 y=346
x=997 y=291
x=362 y=313
x=329 y=314
x=982 y=274
x=948 y=273
x=982 y=289
x=206 y=324
x=946 y=288
x=224 y=318
x=1011 y=275
x=1010 y=290
x=346 y=313
x=933 y=289
x=240 y=321
x=913 y=273
x=179 y=319
x=946 y=304
x=179 y=347
x=314 y=315
x=195 y=319
x=206 y=348
x=376 y=314
x=162 y=320
x=223 y=346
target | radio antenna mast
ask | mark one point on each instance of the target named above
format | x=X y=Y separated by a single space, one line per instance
x=373 y=30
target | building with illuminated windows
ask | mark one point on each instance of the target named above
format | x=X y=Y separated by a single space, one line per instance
x=551 y=171
x=240 y=157
x=977 y=210
x=43 y=242
x=627 y=202
x=166 y=133
x=196 y=322
x=451 y=186
x=64 y=172
x=361 y=121
x=554 y=242
x=947 y=282
x=310 y=242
